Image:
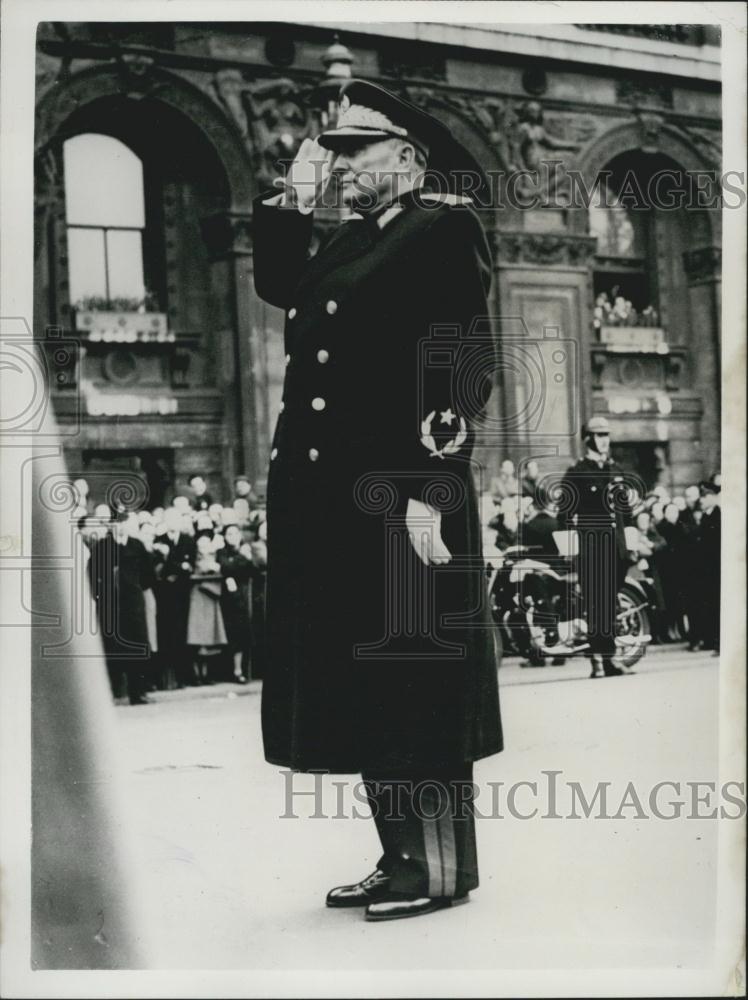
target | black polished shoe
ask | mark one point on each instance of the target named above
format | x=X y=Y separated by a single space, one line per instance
x=374 y=887
x=397 y=909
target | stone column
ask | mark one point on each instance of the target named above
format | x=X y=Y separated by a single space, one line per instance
x=703 y=271
x=228 y=235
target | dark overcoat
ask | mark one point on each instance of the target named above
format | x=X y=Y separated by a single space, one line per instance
x=235 y=604
x=116 y=574
x=594 y=499
x=375 y=660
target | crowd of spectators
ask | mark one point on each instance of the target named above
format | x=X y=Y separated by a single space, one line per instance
x=179 y=590
x=673 y=541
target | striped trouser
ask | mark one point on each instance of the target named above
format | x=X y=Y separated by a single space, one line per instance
x=427 y=828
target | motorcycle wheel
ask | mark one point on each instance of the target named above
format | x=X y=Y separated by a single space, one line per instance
x=636 y=622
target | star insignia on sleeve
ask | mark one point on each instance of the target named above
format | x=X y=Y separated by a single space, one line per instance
x=446 y=417
x=427 y=439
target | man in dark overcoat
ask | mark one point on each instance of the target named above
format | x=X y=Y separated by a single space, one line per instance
x=117 y=568
x=382 y=655
x=173 y=596
x=709 y=563
x=594 y=498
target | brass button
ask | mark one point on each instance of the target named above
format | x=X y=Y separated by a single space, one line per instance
x=291 y=312
x=282 y=407
x=313 y=454
x=273 y=453
x=323 y=356
x=332 y=307
x=318 y=403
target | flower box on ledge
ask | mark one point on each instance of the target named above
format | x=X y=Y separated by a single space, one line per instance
x=634 y=338
x=123 y=327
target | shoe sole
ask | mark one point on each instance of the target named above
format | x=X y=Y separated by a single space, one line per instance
x=457 y=901
x=350 y=906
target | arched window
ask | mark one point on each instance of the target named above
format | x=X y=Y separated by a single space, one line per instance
x=620 y=233
x=624 y=276
x=105 y=216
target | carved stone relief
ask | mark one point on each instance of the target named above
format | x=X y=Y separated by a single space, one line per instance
x=544 y=248
x=271 y=116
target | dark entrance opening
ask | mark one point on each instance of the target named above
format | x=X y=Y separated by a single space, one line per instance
x=647 y=459
x=140 y=479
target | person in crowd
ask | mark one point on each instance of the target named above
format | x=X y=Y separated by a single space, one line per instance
x=241 y=509
x=203 y=524
x=182 y=504
x=92 y=528
x=82 y=495
x=237 y=569
x=243 y=490
x=690 y=518
x=506 y=523
x=150 y=575
x=709 y=550
x=206 y=632
x=692 y=512
x=173 y=595
x=538 y=526
x=215 y=512
x=536 y=531
x=201 y=499
x=648 y=549
x=259 y=553
x=530 y=481
x=506 y=484
x=673 y=570
x=116 y=571
x=657 y=512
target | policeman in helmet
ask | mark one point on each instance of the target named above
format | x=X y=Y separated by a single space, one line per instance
x=594 y=500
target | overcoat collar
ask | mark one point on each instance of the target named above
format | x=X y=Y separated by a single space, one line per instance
x=358 y=234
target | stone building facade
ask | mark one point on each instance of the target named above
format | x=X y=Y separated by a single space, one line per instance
x=179 y=364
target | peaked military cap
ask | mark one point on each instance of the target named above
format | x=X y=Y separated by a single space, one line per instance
x=596 y=425
x=369 y=112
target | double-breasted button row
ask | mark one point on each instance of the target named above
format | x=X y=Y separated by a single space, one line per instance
x=331 y=307
x=323 y=357
x=313 y=454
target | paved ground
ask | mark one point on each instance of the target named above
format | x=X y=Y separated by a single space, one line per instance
x=232 y=885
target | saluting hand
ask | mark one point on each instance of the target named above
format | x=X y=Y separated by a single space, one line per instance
x=424 y=530
x=307 y=176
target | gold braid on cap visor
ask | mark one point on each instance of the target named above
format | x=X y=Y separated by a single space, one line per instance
x=359 y=116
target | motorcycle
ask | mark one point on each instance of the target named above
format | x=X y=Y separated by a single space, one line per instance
x=536 y=602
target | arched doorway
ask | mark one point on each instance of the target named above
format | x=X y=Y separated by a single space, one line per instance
x=176 y=394
x=655 y=348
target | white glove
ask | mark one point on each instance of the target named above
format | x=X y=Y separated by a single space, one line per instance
x=425 y=532
x=307 y=176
